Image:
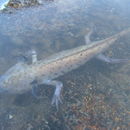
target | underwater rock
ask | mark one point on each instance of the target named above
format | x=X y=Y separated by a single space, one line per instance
x=23 y=3
x=6 y=4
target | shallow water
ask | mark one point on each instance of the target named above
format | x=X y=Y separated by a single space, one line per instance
x=95 y=96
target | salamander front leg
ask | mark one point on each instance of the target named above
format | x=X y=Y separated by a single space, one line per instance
x=34 y=56
x=34 y=89
x=57 y=94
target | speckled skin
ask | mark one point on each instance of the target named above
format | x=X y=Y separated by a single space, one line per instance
x=18 y=78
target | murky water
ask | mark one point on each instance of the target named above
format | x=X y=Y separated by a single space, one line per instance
x=95 y=96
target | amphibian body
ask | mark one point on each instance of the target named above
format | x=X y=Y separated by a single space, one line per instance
x=18 y=78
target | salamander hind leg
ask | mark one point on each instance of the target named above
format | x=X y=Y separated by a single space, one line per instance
x=111 y=60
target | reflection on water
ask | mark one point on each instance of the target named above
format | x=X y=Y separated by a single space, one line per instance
x=96 y=95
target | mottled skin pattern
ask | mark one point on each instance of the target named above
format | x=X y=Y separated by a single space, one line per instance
x=18 y=78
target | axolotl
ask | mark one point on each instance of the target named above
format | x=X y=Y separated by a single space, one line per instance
x=19 y=78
